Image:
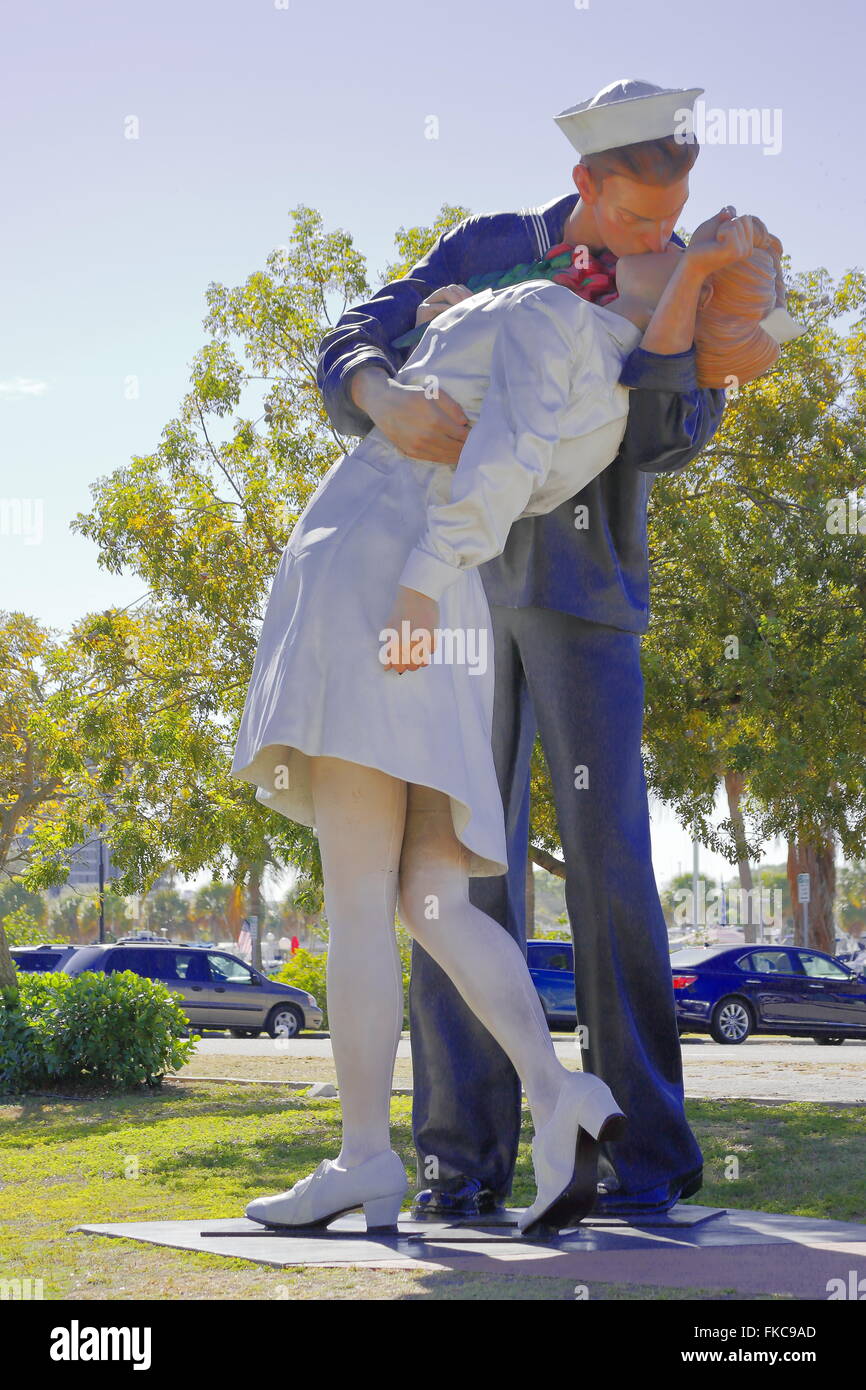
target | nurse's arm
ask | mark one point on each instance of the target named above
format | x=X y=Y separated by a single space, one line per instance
x=510 y=448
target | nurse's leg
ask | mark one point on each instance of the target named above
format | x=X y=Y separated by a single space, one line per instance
x=484 y=962
x=360 y=814
x=466 y=1102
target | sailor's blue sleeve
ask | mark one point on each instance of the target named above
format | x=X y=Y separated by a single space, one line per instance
x=670 y=417
x=363 y=335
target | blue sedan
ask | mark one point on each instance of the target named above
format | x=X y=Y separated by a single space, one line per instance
x=551 y=965
x=731 y=992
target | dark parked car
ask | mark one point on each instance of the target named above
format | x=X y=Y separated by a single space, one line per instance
x=42 y=958
x=216 y=989
x=551 y=965
x=731 y=992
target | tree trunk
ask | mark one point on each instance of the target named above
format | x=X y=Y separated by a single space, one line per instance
x=816 y=857
x=8 y=973
x=530 y=898
x=734 y=784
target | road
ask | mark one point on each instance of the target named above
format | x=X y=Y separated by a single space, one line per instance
x=763 y=1068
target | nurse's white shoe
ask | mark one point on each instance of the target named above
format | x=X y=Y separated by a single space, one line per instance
x=378 y=1185
x=565 y=1154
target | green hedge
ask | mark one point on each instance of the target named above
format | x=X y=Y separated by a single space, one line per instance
x=117 y=1030
x=309 y=971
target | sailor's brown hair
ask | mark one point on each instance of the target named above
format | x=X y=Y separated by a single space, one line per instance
x=660 y=162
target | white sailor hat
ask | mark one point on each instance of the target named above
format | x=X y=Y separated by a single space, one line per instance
x=627 y=112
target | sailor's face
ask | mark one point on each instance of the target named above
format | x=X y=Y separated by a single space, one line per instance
x=634 y=219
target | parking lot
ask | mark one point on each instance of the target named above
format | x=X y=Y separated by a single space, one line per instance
x=760 y=1068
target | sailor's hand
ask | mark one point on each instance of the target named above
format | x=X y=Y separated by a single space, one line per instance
x=421 y=426
x=408 y=640
x=440 y=300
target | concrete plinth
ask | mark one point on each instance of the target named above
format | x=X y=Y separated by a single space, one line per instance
x=751 y=1252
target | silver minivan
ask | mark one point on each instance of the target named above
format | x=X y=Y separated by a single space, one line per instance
x=216 y=988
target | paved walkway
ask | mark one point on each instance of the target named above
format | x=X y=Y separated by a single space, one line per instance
x=767 y=1069
x=789 y=1069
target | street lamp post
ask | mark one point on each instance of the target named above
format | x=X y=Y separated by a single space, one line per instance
x=101 y=889
x=696 y=856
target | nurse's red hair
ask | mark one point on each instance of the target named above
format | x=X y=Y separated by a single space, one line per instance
x=729 y=340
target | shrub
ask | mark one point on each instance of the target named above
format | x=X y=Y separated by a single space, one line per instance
x=108 y=1030
x=23 y=928
x=307 y=971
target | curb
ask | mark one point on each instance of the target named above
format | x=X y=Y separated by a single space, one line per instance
x=290 y=1085
x=408 y=1091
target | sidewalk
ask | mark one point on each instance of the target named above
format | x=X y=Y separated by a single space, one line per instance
x=760 y=1069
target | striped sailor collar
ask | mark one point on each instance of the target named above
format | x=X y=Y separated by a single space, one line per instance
x=547 y=221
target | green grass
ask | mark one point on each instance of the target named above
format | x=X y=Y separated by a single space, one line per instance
x=200 y=1151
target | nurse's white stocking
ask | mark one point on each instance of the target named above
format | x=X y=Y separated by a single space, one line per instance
x=372 y=829
x=484 y=962
x=360 y=814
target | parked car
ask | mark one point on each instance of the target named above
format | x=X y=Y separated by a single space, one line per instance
x=43 y=957
x=732 y=992
x=551 y=965
x=216 y=988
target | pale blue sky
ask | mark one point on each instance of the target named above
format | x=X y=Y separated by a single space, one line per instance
x=247 y=109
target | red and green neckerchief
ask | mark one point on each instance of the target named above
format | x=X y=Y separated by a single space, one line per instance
x=590 y=277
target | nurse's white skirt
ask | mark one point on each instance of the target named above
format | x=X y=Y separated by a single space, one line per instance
x=318 y=685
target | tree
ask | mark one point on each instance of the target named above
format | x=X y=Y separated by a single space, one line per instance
x=21 y=928
x=15 y=896
x=164 y=910
x=735 y=785
x=30 y=786
x=677 y=899
x=64 y=918
x=851 y=882
x=210 y=909
x=202 y=520
x=755 y=658
x=118 y=919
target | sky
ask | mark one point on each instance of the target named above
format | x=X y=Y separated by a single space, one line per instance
x=243 y=109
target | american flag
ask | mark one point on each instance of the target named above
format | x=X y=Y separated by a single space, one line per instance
x=245 y=942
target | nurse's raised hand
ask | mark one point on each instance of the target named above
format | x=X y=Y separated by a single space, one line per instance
x=408 y=640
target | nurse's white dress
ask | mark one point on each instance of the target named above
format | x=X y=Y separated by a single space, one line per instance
x=536 y=369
